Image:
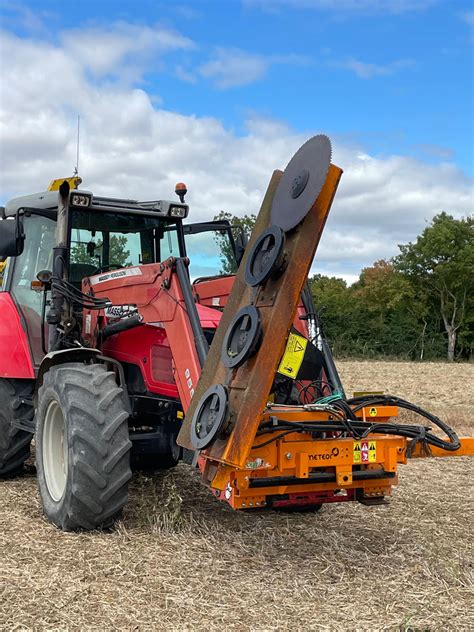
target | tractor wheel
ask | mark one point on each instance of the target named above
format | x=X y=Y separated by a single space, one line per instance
x=14 y=443
x=82 y=447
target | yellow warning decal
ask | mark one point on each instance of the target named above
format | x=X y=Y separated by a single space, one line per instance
x=179 y=414
x=357 y=452
x=373 y=412
x=293 y=356
x=73 y=182
x=365 y=452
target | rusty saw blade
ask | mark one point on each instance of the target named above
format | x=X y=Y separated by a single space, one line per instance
x=301 y=182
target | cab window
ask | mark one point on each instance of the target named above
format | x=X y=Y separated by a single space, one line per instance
x=37 y=255
x=211 y=252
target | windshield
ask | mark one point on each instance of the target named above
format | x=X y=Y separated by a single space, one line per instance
x=104 y=240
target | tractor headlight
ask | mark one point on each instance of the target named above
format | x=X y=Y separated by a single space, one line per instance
x=79 y=199
x=177 y=210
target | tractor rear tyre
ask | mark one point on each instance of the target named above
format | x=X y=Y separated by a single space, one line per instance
x=82 y=447
x=14 y=443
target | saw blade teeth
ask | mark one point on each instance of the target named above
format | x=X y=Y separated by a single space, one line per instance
x=301 y=182
x=329 y=143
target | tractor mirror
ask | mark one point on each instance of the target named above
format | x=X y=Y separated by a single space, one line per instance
x=12 y=237
x=240 y=245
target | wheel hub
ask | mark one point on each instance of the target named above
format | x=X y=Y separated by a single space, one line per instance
x=55 y=451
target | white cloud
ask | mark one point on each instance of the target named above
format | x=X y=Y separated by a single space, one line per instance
x=132 y=148
x=366 y=70
x=231 y=67
x=187 y=12
x=123 y=47
x=345 y=6
x=16 y=13
x=185 y=75
x=468 y=18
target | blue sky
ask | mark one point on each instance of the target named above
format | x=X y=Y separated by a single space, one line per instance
x=397 y=76
x=224 y=91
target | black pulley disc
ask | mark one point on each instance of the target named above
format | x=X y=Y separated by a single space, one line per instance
x=242 y=337
x=209 y=417
x=266 y=256
x=301 y=182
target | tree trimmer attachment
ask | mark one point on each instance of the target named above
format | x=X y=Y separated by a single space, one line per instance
x=270 y=421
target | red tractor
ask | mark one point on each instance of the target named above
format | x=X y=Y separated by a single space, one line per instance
x=78 y=358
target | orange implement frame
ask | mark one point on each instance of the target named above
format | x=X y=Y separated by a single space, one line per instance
x=466 y=449
x=330 y=469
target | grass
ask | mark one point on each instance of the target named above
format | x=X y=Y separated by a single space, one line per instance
x=180 y=560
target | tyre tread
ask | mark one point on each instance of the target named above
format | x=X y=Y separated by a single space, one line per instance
x=15 y=442
x=99 y=446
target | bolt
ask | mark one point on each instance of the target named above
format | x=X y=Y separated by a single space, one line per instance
x=288 y=455
x=244 y=505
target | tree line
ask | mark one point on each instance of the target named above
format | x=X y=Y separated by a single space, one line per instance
x=416 y=305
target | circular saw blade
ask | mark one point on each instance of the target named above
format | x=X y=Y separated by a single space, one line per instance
x=301 y=182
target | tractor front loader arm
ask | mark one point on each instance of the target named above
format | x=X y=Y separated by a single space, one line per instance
x=159 y=295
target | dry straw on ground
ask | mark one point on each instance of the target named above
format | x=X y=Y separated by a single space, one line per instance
x=182 y=561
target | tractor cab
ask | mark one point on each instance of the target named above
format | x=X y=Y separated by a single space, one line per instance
x=90 y=235
x=92 y=281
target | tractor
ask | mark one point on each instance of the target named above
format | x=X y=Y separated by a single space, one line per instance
x=126 y=345
x=122 y=402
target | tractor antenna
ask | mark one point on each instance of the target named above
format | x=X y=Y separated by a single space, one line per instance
x=76 y=168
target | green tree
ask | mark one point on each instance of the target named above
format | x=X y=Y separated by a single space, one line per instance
x=332 y=301
x=379 y=315
x=245 y=224
x=391 y=311
x=118 y=254
x=442 y=261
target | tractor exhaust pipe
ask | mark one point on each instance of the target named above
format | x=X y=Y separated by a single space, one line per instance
x=56 y=310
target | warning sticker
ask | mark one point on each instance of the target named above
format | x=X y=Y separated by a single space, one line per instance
x=373 y=412
x=357 y=452
x=365 y=452
x=293 y=356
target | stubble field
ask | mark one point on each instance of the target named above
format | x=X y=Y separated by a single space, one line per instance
x=181 y=560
